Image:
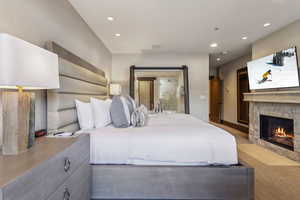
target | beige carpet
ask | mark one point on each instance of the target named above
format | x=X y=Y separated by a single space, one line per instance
x=266 y=156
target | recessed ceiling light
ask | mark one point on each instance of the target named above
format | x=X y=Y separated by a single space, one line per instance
x=213 y=45
x=117 y=34
x=244 y=38
x=218 y=59
x=224 y=52
x=110 y=18
x=267 y=24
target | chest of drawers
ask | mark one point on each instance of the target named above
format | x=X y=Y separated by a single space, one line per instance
x=56 y=169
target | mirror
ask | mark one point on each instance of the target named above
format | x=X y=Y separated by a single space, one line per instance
x=160 y=89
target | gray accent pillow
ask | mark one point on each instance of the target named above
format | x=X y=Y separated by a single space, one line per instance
x=138 y=118
x=119 y=112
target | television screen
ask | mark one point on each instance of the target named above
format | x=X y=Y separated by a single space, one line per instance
x=275 y=71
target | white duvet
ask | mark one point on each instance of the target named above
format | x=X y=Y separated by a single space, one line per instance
x=173 y=139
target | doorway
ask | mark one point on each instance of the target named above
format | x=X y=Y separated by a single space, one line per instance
x=146 y=91
x=215 y=88
x=242 y=87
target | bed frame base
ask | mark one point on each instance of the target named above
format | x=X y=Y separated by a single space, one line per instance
x=172 y=182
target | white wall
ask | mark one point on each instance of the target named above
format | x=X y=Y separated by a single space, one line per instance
x=288 y=36
x=284 y=38
x=228 y=74
x=198 y=65
x=38 y=21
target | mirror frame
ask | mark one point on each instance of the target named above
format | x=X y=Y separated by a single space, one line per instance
x=183 y=68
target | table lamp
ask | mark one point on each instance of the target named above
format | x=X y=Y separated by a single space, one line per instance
x=24 y=68
x=115 y=89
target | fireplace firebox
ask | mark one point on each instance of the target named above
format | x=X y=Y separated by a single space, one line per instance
x=279 y=131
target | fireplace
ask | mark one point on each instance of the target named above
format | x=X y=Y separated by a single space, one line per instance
x=279 y=131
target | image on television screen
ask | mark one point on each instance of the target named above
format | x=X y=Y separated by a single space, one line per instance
x=275 y=71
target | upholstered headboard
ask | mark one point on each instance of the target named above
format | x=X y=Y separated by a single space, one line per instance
x=78 y=80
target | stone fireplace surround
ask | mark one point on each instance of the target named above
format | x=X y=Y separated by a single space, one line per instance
x=285 y=104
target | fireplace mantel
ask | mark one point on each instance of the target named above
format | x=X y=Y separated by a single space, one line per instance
x=281 y=104
x=292 y=97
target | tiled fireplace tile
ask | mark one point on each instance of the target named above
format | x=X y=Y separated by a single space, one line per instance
x=283 y=110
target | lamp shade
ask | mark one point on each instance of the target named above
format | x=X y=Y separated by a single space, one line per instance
x=25 y=65
x=115 y=89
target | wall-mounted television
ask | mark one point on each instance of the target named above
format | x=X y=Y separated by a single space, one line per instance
x=279 y=70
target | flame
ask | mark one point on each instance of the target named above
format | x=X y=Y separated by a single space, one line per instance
x=281 y=132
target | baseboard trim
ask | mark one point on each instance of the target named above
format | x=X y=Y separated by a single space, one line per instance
x=235 y=126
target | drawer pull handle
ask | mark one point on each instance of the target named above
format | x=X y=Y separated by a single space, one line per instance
x=67 y=164
x=67 y=194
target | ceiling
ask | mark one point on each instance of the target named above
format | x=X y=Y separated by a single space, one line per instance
x=185 y=25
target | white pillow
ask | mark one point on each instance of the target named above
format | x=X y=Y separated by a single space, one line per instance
x=101 y=112
x=85 y=115
x=131 y=104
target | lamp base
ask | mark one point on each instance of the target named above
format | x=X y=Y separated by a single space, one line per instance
x=18 y=121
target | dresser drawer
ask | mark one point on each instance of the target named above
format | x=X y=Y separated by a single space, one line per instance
x=42 y=181
x=75 y=155
x=77 y=187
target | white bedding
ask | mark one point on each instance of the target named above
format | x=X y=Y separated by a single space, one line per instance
x=173 y=139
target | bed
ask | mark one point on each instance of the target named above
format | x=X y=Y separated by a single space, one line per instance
x=168 y=139
x=175 y=156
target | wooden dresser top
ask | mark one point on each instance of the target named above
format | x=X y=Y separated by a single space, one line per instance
x=13 y=166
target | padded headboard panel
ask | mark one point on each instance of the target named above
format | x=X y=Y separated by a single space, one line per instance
x=78 y=80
